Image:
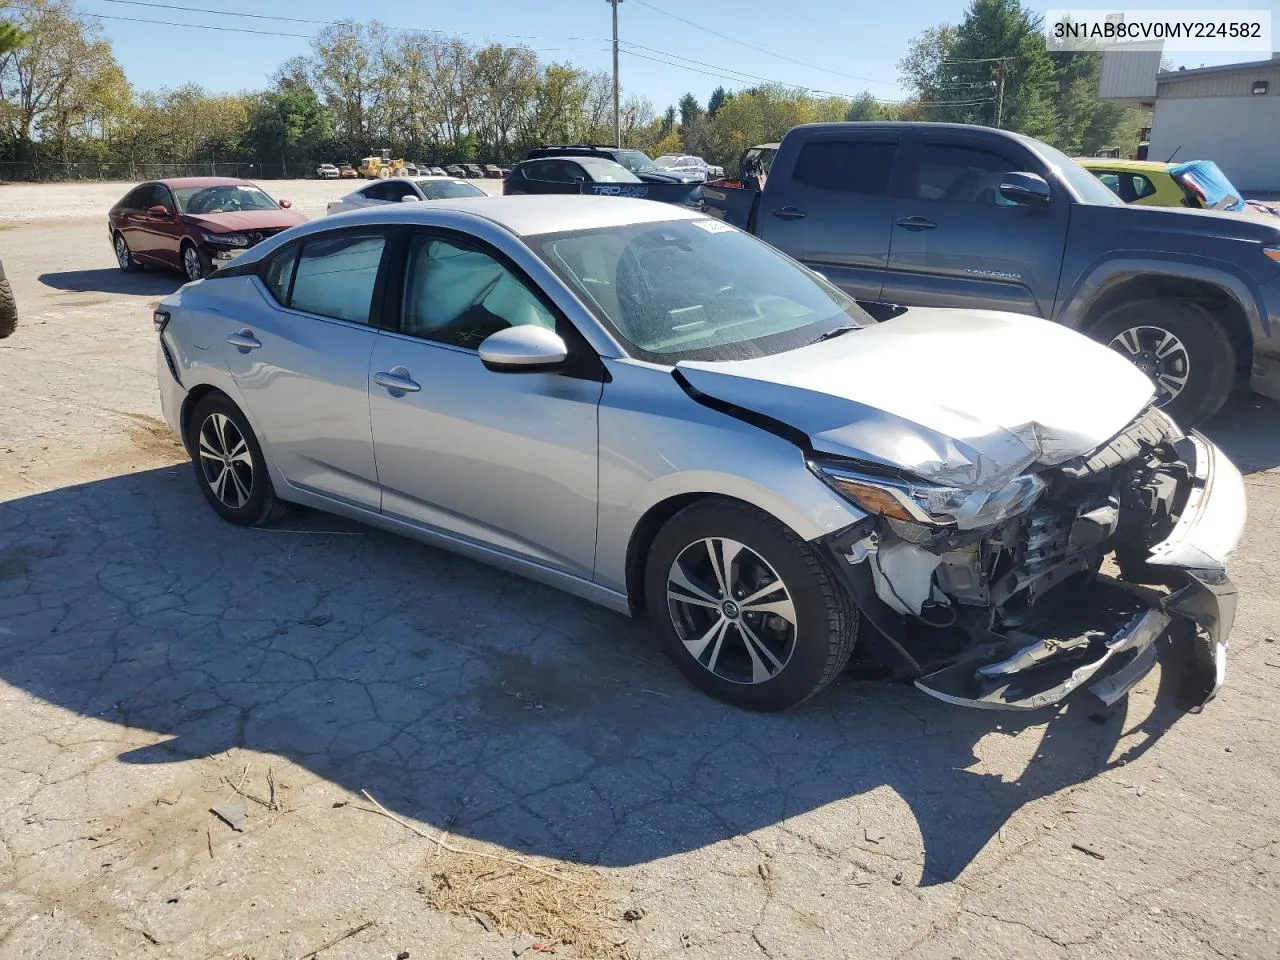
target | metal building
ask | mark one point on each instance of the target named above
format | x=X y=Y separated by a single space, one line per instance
x=1228 y=114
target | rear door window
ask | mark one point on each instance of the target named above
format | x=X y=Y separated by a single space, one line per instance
x=860 y=166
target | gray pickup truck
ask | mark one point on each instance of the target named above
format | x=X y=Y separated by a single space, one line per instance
x=931 y=214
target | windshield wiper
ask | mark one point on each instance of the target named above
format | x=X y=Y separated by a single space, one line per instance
x=835 y=332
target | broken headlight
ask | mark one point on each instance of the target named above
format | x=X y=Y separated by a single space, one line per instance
x=931 y=504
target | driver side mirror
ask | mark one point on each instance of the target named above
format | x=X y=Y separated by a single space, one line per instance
x=286 y=204
x=1025 y=189
x=159 y=210
x=523 y=349
x=408 y=197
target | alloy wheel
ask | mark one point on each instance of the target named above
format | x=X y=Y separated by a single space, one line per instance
x=1159 y=354
x=123 y=257
x=731 y=610
x=191 y=262
x=225 y=460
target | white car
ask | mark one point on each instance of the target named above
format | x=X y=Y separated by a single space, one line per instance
x=327 y=171
x=684 y=164
x=400 y=189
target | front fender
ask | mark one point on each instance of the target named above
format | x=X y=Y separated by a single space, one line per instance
x=657 y=443
x=1108 y=271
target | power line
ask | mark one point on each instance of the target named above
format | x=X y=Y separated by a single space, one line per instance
x=320 y=23
x=727 y=73
x=275 y=33
x=202 y=26
x=752 y=46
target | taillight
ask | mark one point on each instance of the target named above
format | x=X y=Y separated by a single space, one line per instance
x=160 y=320
x=1195 y=196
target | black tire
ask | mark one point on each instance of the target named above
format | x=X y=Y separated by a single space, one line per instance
x=192 y=255
x=8 y=309
x=125 y=259
x=261 y=505
x=1211 y=358
x=826 y=621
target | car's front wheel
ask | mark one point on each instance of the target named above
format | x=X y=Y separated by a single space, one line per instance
x=1181 y=346
x=195 y=262
x=230 y=468
x=747 y=610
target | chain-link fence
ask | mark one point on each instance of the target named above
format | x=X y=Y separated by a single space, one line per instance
x=38 y=171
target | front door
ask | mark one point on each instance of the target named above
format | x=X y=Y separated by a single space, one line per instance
x=958 y=243
x=835 y=211
x=301 y=362
x=508 y=460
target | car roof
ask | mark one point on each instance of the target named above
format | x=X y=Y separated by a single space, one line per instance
x=204 y=182
x=1145 y=166
x=528 y=216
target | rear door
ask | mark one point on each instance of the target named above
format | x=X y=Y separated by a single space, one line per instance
x=301 y=361
x=166 y=231
x=958 y=243
x=145 y=237
x=829 y=204
x=130 y=221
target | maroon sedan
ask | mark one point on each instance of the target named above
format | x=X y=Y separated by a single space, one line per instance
x=193 y=224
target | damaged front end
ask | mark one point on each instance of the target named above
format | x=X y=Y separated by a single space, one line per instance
x=1061 y=577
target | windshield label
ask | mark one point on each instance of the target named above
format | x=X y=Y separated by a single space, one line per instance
x=714 y=226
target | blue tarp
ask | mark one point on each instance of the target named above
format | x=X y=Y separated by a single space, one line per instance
x=1210 y=179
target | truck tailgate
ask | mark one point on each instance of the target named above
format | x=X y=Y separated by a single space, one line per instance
x=727 y=200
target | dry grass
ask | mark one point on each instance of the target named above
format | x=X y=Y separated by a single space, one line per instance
x=567 y=904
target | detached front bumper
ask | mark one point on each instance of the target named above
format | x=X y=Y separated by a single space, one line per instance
x=1106 y=636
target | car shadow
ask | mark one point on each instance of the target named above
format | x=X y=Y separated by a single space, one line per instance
x=1247 y=429
x=467 y=698
x=150 y=282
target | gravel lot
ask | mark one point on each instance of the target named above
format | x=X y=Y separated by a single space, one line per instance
x=154 y=660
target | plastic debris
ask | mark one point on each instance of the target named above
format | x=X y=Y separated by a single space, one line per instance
x=233 y=814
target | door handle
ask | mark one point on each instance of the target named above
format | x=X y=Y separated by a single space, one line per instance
x=397 y=381
x=916 y=223
x=789 y=213
x=244 y=341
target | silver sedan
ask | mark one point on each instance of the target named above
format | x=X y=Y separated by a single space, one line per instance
x=400 y=189
x=650 y=409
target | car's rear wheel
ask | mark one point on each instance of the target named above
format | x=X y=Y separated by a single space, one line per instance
x=195 y=262
x=747 y=610
x=124 y=256
x=230 y=468
x=1181 y=346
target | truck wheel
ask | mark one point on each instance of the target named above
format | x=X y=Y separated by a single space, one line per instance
x=1181 y=346
x=8 y=309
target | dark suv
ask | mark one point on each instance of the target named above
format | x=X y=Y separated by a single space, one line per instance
x=637 y=161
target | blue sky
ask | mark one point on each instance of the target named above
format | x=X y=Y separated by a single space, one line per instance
x=829 y=45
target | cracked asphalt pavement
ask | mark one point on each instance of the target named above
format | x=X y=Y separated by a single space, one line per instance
x=153 y=660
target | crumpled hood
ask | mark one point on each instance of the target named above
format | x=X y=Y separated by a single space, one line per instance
x=246 y=220
x=965 y=397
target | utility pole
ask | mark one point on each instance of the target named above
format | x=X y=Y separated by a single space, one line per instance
x=1001 y=67
x=617 y=118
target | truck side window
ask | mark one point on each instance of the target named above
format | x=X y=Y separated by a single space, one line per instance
x=958 y=174
x=847 y=166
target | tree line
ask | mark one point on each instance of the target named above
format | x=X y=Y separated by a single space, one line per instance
x=364 y=87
